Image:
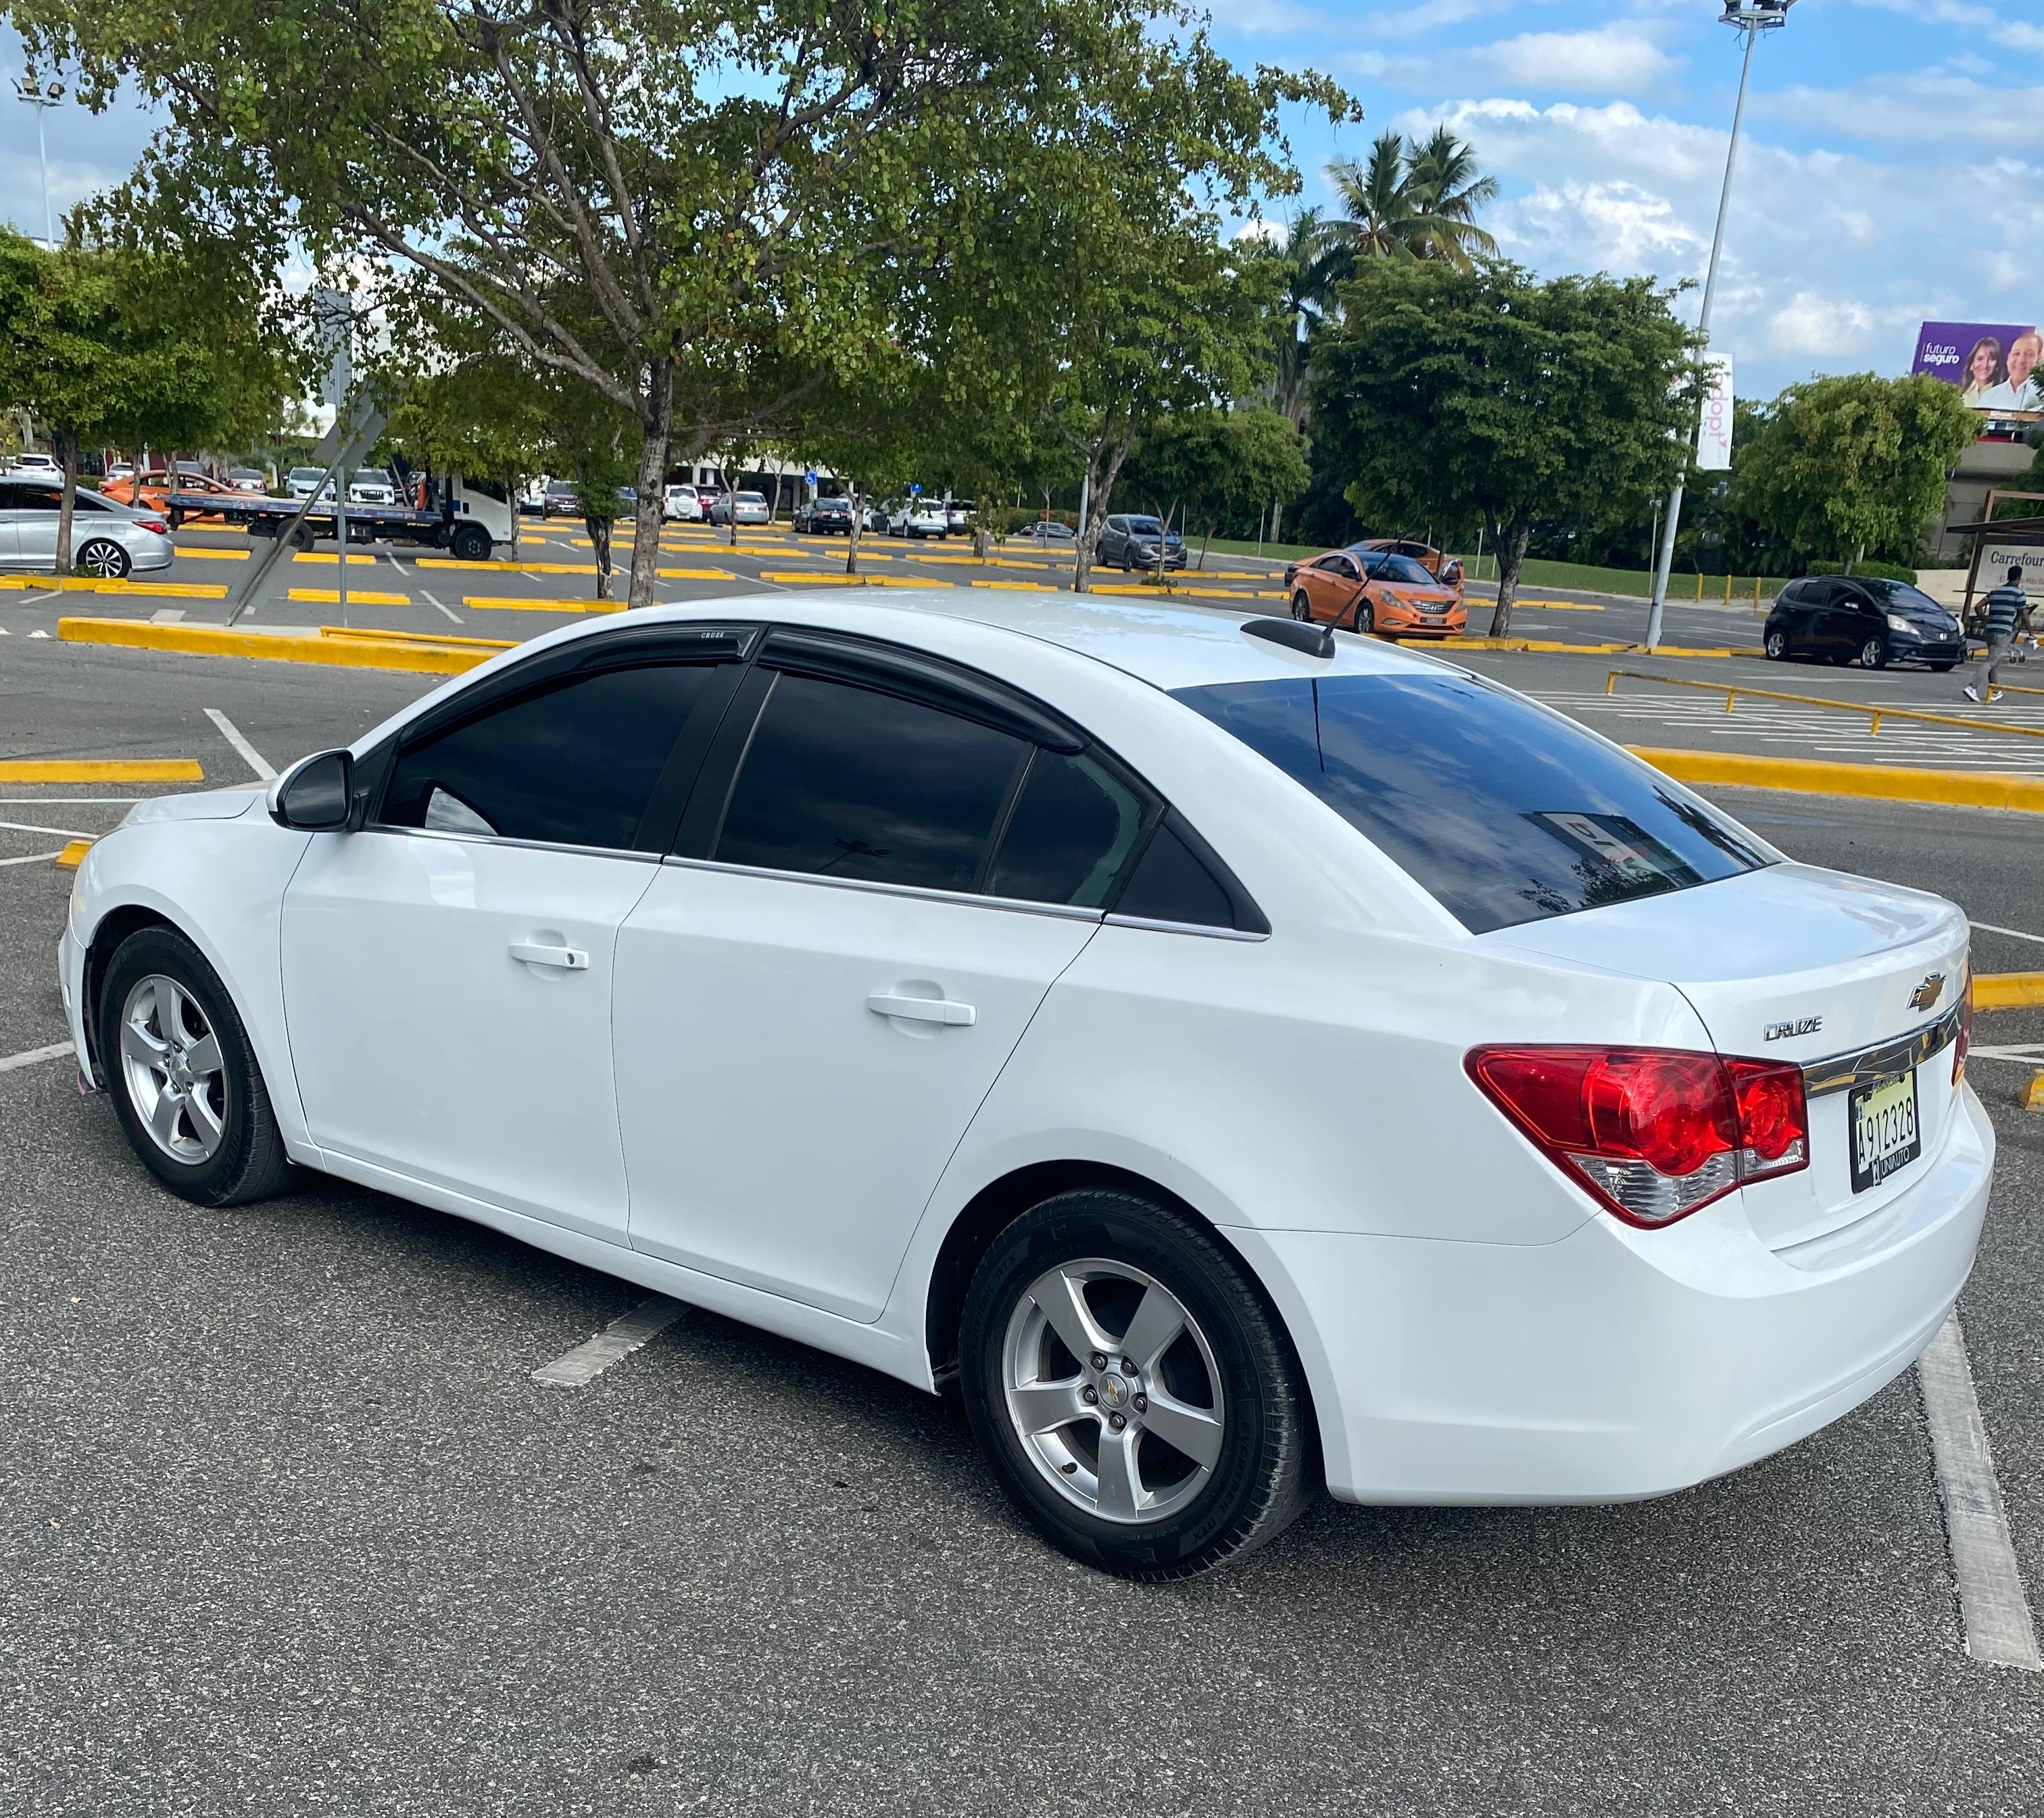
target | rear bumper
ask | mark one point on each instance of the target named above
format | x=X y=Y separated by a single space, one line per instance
x=1616 y=1364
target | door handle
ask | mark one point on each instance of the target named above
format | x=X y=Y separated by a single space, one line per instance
x=567 y=959
x=923 y=1010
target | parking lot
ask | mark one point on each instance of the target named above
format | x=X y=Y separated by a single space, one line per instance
x=291 y=1528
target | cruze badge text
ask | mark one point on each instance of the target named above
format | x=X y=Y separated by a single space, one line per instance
x=1801 y=1026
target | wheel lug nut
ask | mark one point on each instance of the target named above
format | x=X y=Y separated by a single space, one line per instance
x=1100 y=1360
x=1128 y=1366
x=1089 y=1395
x=1117 y=1421
x=1141 y=1404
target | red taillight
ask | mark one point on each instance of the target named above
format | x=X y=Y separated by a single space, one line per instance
x=153 y=524
x=1654 y=1133
x=1963 y=1040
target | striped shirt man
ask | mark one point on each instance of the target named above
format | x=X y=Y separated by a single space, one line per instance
x=2003 y=609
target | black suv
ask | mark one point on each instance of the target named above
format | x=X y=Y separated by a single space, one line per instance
x=1835 y=618
x=1131 y=542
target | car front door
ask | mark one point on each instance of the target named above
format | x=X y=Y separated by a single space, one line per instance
x=448 y=970
x=818 y=991
x=1858 y=618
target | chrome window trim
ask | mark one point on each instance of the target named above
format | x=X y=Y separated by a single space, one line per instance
x=1883 y=1060
x=1184 y=927
x=1064 y=912
x=505 y=839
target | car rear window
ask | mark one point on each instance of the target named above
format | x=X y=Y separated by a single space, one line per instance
x=1505 y=811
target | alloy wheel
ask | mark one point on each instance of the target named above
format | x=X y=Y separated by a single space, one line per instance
x=1301 y=607
x=1872 y=654
x=1778 y=646
x=1113 y=1390
x=171 y=1067
x=107 y=560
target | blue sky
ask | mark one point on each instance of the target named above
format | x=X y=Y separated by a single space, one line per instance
x=1893 y=167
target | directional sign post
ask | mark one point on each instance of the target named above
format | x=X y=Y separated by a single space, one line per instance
x=353 y=435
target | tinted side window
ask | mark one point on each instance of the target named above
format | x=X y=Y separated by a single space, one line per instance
x=574 y=765
x=40 y=498
x=1070 y=834
x=1171 y=884
x=848 y=783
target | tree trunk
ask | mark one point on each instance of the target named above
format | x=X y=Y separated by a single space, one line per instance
x=1276 y=511
x=1858 y=558
x=851 y=534
x=656 y=436
x=1510 y=542
x=1100 y=490
x=68 y=453
x=1206 y=542
x=599 y=541
x=1164 y=545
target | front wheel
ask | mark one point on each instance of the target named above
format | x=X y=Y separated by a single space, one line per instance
x=105 y=559
x=470 y=543
x=1131 y=1388
x=183 y=1077
x=1873 y=654
x=1776 y=646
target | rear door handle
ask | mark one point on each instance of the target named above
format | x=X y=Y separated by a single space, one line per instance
x=568 y=958
x=923 y=1010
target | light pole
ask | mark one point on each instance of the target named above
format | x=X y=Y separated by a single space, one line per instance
x=1751 y=18
x=40 y=96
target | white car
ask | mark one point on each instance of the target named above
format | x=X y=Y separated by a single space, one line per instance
x=1222 y=1049
x=371 y=486
x=743 y=507
x=681 y=505
x=957 y=514
x=109 y=540
x=916 y=518
x=39 y=466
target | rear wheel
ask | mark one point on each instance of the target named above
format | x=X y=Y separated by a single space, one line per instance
x=1873 y=654
x=183 y=1077
x=1131 y=1388
x=1365 y=618
x=105 y=559
x=1302 y=608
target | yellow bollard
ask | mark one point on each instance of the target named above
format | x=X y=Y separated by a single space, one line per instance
x=1727 y=599
x=1700 y=583
x=1756 y=592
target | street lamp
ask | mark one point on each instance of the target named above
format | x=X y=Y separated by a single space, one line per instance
x=1750 y=18
x=40 y=96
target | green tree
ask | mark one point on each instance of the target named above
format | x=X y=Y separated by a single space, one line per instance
x=1854 y=465
x=750 y=204
x=1488 y=395
x=1410 y=200
x=1202 y=464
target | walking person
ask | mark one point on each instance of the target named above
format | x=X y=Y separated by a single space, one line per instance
x=2005 y=608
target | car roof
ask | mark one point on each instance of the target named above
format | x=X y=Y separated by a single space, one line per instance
x=1167 y=646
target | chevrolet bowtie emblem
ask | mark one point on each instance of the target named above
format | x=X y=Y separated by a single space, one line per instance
x=1928 y=992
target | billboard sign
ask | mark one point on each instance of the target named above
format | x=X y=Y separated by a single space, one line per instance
x=1997 y=559
x=1714 y=431
x=1995 y=364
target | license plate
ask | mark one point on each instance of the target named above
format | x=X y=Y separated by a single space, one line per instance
x=1885 y=1135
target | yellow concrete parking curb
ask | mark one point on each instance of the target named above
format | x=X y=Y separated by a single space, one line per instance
x=101 y=770
x=85 y=584
x=1885 y=782
x=360 y=596
x=695 y=574
x=373 y=634
x=2007 y=990
x=509 y=603
x=216 y=641
x=73 y=855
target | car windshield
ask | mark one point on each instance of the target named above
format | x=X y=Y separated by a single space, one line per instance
x=371 y=476
x=306 y=473
x=1505 y=811
x=1899 y=597
x=1381 y=565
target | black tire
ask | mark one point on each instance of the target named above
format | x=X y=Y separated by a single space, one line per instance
x=304 y=537
x=1873 y=654
x=249 y=1162
x=105 y=559
x=1365 y=619
x=1302 y=608
x=1776 y=646
x=470 y=543
x=1258 y=1480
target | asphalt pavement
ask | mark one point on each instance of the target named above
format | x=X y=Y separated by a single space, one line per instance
x=287 y=1526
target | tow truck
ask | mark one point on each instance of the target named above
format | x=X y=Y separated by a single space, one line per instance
x=467 y=518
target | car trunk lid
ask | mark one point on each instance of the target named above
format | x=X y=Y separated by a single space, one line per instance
x=1855 y=981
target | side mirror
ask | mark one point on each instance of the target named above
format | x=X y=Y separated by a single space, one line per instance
x=317 y=795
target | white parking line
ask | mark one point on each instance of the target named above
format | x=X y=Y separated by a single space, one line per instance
x=34 y=859
x=578 y=1368
x=61 y=832
x=449 y=610
x=2014 y=933
x=1992 y=1605
x=254 y=758
x=34 y=1055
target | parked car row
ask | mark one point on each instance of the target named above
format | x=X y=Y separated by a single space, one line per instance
x=110 y=539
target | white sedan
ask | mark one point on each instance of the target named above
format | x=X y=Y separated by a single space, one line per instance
x=1236 y=1056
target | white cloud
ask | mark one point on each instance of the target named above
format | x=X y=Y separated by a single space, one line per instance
x=1430 y=16
x=1818 y=327
x=1608 y=59
x=1924 y=107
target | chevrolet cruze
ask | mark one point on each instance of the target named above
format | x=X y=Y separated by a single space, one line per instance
x=1236 y=1056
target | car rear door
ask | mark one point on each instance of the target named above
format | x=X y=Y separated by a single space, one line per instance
x=884 y=867
x=448 y=970
x=38 y=507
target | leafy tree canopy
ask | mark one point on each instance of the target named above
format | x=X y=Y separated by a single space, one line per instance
x=1489 y=395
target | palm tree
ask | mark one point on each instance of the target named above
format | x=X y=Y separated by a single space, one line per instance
x=1313 y=258
x=1442 y=176
x=1413 y=201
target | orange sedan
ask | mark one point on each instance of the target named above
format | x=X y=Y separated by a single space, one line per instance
x=157 y=488
x=1374 y=590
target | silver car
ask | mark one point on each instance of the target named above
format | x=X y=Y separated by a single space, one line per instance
x=746 y=507
x=107 y=539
